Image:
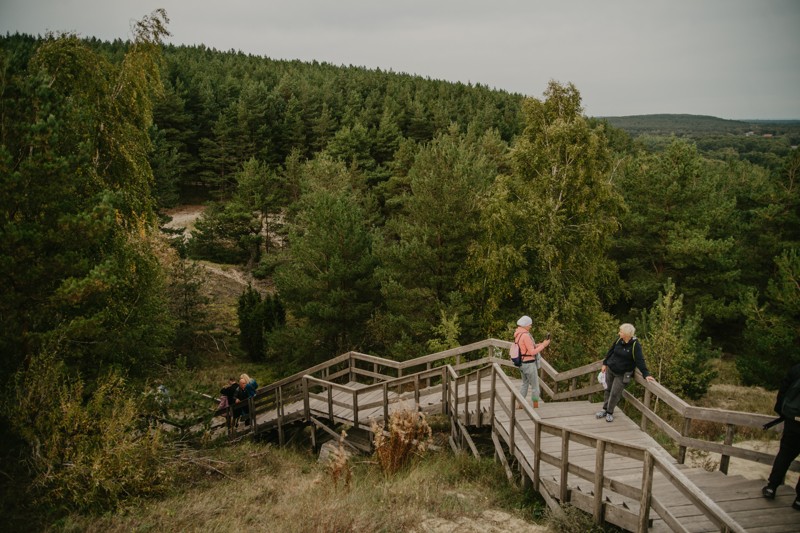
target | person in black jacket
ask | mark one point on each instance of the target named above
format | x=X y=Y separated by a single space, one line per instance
x=229 y=392
x=621 y=361
x=241 y=404
x=790 y=443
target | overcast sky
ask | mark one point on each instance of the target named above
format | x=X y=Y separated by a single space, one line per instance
x=734 y=59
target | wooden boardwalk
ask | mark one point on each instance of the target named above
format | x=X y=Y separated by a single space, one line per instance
x=560 y=447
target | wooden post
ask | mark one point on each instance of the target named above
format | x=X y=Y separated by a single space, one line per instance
x=466 y=400
x=454 y=386
x=385 y=403
x=726 y=459
x=491 y=398
x=280 y=416
x=416 y=392
x=306 y=400
x=599 y=465
x=375 y=370
x=478 y=413
x=687 y=424
x=537 y=454
x=512 y=429
x=350 y=364
x=647 y=397
x=445 y=389
x=330 y=402
x=355 y=408
x=563 y=494
x=647 y=491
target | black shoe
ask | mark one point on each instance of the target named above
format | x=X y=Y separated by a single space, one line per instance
x=768 y=492
x=796 y=504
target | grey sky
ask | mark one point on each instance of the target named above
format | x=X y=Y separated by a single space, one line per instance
x=732 y=59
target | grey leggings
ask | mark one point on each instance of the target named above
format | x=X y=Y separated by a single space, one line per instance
x=613 y=394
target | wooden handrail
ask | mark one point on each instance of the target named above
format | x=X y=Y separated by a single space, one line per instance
x=653 y=391
x=707 y=506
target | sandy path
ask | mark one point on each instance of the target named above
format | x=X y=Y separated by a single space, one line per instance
x=184 y=216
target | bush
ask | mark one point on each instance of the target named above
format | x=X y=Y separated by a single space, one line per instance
x=85 y=455
x=409 y=436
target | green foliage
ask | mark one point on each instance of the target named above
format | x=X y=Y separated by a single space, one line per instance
x=426 y=241
x=251 y=323
x=446 y=333
x=547 y=228
x=674 y=354
x=679 y=223
x=77 y=236
x=86 y=451
x=226 y=233
x=328 y=278
x=257 y=318
x=772 y=331
x=189 y=306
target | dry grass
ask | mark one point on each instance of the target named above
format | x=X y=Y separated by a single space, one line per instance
x=409 y=436
x=262 y=488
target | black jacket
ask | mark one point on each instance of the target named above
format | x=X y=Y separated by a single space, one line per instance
x=625 y=357
x=230 y=392
x=791 y=376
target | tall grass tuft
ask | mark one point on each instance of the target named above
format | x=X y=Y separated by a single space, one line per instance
x=409 y=435
x=339 y=463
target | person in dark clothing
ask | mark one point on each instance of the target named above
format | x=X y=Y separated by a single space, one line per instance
x=228 y=392
x=790 y=442
x=241 y=405
x=621 y=361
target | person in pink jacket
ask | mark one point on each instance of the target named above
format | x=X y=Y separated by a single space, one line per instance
x=529 y=352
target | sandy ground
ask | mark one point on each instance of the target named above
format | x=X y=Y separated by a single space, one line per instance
x=184 y=216
x=490 y=521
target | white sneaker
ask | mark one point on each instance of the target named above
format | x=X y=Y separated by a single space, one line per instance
x=609 y=417
x=600 y=414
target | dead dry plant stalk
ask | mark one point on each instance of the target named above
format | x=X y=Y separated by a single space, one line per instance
x=339 y=463
x=409 y=435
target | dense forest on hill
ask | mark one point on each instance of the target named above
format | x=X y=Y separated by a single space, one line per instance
x=389 y=213
x=763 y=142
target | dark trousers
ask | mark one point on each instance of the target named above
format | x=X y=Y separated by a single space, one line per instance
x=788 y=451
x=613 y=394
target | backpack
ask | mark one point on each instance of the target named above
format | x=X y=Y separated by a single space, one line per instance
x=513 y=352
x=791 y=401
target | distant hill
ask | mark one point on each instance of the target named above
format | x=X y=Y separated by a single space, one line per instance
x=679 y=125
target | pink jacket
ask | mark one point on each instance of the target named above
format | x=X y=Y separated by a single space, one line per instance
x=527 y=348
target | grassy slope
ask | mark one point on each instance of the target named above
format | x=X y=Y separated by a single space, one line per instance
x=261 y=488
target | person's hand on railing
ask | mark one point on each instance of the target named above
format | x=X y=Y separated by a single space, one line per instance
x=651 y=379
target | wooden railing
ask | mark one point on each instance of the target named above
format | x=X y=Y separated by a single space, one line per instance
x=426 y=373
x=650 y=458
x=582 y=382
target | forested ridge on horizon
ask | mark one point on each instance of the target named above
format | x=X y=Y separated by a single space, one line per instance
x=387 y=213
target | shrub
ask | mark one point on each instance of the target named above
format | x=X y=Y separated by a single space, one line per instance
x=409 y=436
x=85 y=455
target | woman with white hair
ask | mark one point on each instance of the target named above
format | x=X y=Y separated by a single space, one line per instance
x=621 y=361
x=529 y=353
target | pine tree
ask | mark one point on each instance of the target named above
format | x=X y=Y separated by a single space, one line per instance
x=547 y=229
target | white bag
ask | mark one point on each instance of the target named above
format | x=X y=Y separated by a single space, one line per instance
x=601 y=378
